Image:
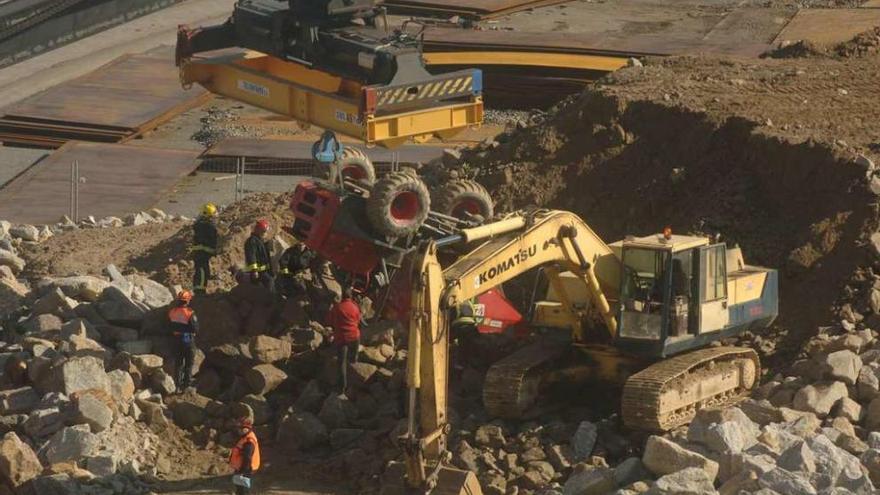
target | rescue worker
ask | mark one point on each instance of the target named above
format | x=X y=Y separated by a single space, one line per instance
x=184 y=327
x=463 y=323
x=345 y=319
x=204 y=247
x=257 y=255
x=294 y=261
x=244 y=459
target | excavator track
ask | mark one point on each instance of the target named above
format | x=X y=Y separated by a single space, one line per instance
x=513 y=384
x=669 y=393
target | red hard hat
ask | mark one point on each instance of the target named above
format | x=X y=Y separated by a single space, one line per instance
x=184 y=296
x=262 y=225
x=246 y=423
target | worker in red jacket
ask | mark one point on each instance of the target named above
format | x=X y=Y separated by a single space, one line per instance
x=345 y=319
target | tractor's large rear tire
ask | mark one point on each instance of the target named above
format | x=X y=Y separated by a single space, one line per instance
x=398 y=204
x=464 y=199
x=353 y=164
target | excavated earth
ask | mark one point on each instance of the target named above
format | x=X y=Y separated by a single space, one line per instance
x=773 y=155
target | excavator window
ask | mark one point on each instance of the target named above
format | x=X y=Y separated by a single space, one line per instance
x=644 y=289
x=714 y=271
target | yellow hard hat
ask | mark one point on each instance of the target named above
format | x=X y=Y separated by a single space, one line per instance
x=209 y=210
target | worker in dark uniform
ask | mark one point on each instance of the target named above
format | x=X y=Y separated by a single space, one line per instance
x=244 y=458
x=184 y=327
x=258 y=257
x=204 y=247
x=293 y=262
x=463 y=323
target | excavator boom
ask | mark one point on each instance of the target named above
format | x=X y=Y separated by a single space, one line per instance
x=653 y=282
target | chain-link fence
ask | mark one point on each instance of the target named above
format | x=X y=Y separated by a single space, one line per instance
x=247 y=175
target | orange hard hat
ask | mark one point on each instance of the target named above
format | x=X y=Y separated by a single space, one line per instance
x=262 y=225
x=184 y=296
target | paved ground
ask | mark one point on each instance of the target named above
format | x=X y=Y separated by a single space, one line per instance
x=14 y=161
x=31 y=76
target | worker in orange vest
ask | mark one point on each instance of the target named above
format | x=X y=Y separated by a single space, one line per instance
x=245 y=457
x=184 y=326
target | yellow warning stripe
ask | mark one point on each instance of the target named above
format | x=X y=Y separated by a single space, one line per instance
x=429 y=90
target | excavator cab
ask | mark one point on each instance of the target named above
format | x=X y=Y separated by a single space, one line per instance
x=677 y=294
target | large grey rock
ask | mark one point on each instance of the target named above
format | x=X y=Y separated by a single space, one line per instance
x=311 y=398
x=18 y=462
x=662 y=457
x=584 y=440
x=264 y=378
x=45 y=323
x=819 y=398
x=136 y=347
x=871 y=461
x=56 y=303
x=84 y=287
x=189 y=410
x=12 y=260
x=118 y=308
x=81 y=328
x=102 y=465
x=337 y=412
x=872 y=415
x=302 y=431
x=781 y=481
x=119 y=280
x=834 y=466
x=77 y=346
x=849 y=409
x=25 y=232
x=843 y=365
x=798 y=458
x=147 y=363
x=595 y=481
x=490 y=436
x=121 y=386
x=267 y=350
x=71 y=444
x=150 y=292
x=724 y=431
x=42 y=423
x=689 y=481
x=19 y=400
x=12 y=296
x=93 y=412
x=81 y=373
x=629 y=471
x=161 y=382
x=868 y=383
x=117 y=334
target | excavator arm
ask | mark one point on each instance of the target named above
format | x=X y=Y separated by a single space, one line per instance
x=511 y=247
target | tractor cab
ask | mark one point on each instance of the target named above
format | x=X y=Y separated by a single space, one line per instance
x=680 y=292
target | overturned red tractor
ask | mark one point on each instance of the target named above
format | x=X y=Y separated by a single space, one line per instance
x=365 y=226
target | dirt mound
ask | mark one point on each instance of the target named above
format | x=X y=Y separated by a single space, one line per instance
x=234 y=225
x=160 y=251
x=866 y=43
x=863 y=44
x=765 y=154
x=88 y=251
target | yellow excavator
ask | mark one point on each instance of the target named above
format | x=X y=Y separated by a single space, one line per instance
x=641 y=312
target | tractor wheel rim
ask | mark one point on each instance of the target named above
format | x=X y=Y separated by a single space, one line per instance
x=352 y=172
x=405 y=208
x=465 y=207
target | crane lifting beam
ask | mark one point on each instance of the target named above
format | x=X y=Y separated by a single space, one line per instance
x=385 y=115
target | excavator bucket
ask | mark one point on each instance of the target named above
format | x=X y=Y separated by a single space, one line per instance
x=452 y=481
x=449 y=481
